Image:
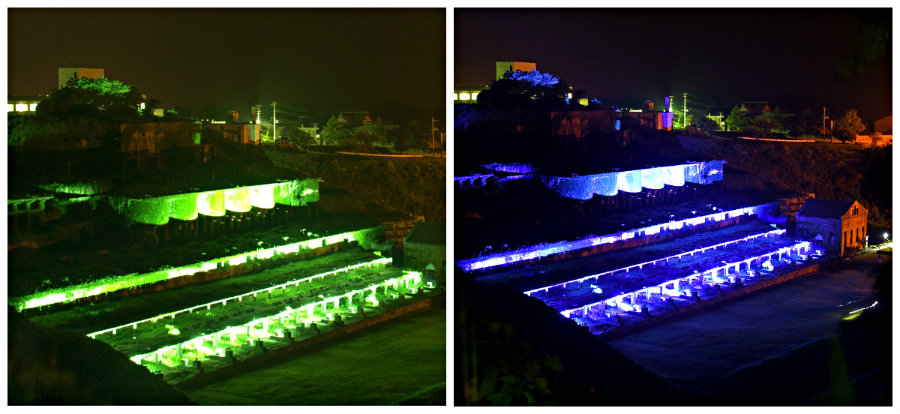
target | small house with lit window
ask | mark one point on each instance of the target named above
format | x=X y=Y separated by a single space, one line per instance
x=837 y=226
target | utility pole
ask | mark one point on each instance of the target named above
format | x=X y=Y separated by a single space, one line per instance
x=823 y=122
x=684 y=112
x=432 y=134
x=274 y=127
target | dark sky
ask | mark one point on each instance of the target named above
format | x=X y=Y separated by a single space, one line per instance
x=323 y=59
x=719 y=57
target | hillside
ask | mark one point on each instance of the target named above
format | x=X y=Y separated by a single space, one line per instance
x=830 y=171
x=379 y=186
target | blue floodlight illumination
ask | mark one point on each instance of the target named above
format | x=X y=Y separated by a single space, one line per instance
x=514 y=168
x=630 y=181
x=609 y=184
x=535 y=77
x=547 y=249
x=652 y=178
x=670 y=288
x=625 y=307
x=618 y=125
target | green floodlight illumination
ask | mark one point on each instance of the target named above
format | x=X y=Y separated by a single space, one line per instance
x=377 y=262
x=289 y=317
x=113 y=283
x=87 y=189
x=186 y=206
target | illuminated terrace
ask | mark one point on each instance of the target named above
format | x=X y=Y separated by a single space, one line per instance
x=547 y=249
x=186 y=206
x=633 y=181
x=119 y=282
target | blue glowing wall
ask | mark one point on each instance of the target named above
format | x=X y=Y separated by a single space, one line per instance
x=630 y=181
x=609 y=184
x=515 y=168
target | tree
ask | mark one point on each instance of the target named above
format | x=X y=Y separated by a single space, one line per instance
x=401 y=142
x=335 y=132
x=103 y=99
x=706 y=124
x=301 y=138
x=737 y=119
x=364 y=137
x=844 y=135
x=525 y=89
x=796 y=131
x=849 y=126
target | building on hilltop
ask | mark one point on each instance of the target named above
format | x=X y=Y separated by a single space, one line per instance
x=838 y=226
x=66 y=74
x=503 y=67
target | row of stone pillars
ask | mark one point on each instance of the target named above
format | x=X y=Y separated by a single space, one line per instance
x=308 y=317
x=631 y=298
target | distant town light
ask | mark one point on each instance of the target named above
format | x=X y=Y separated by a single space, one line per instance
x=32 y=107
x=474 y=96
x=143 y=105
x=21 y=107
x=464 y=96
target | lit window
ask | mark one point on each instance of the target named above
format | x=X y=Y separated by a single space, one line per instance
x=455 y=96
x=32 y=107
x=474 y=96
x=10 y=107
x=21 y=107
x=464 y=96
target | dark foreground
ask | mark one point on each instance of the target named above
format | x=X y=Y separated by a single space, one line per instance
x=402 y=362
x=788 y=345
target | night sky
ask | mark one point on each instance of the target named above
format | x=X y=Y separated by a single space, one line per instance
x=307 y=59
x=788 y=57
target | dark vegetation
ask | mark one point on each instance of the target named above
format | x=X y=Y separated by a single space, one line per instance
x=514 y=350
x=828 y=171
x=59 y=367
x=379 y=186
